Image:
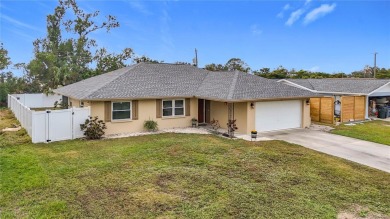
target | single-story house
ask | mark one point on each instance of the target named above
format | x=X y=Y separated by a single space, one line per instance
x=344 y=98
x=174 y=94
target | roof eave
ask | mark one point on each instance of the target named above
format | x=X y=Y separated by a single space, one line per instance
x=388 y=83
x=296 y=85
x=347 y=93
x=258 y=99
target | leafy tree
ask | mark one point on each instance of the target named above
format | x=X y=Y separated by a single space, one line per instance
x=60 y=61
x=263 y=72
x=302 y=74
x=5 y=60
x=5 y=77
x=182 y=63
x=143 y=58
x=279 y=73
x=383 y=73
x=237 y=64
x=231 y=65
x=339 y=75
x=357 y=74
x=110 y=62
x=215 y=67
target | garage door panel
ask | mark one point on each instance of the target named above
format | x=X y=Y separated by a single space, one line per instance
x=278 y=115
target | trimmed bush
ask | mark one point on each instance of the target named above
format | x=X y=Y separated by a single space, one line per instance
x=93 y=128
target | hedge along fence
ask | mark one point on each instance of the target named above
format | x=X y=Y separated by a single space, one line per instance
x=48 y=125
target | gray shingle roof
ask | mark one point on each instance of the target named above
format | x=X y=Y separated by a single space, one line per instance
x=242 y=86
x=341 y=85
x=148 y=80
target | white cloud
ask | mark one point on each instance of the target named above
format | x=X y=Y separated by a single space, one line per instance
x=294 y=16
x=314 y=69
x=166 y=37
x=139 y=6
x=285 y=8
x=18 y=23
x=318 y=12
x=307 y=2
x=256 y=30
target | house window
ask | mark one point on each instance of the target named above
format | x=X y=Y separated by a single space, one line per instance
x=121 y=110
x=173 y=107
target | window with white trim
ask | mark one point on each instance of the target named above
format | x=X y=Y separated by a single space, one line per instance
x=121 y=110
x=173 y=108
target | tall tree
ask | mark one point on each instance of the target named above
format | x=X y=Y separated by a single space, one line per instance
x=109 y=62
x=8 y=82
x=231 y=65
x=263 y=72
x=5 y=61
x=60 y=61
x=237 y=64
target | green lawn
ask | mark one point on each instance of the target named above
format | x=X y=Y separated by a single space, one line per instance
x=181 y=176
x=375 y=131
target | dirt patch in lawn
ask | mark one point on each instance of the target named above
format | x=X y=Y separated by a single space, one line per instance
x=358 y=212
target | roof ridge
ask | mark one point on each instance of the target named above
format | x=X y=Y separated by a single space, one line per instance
x=113 y=78
x=233 y=85
x=313 y=88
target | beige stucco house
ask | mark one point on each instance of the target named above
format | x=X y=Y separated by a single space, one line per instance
x=173 y=94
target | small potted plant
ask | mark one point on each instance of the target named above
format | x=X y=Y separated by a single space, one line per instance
x=253 y=134
x=194 y=122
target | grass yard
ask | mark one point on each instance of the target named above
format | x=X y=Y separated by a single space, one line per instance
x=375 y=131
x=182 y=176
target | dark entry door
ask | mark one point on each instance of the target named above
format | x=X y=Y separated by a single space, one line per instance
x=201 y=114
x=207 y=111
x=203 y=111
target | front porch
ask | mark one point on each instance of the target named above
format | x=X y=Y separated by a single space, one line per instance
x=218 y=114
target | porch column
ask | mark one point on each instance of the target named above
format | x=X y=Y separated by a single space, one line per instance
x=367 y=105
x=231 y=125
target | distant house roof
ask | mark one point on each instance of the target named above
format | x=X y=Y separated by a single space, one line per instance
x=340 y=85
x=150 y=80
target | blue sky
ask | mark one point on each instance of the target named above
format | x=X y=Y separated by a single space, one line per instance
x=329 y=36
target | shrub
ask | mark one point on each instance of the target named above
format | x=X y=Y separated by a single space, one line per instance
x=60 y=104
x=93 y=128
x=150 y=125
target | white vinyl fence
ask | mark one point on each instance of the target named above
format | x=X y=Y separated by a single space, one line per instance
x=38 y=100
x=48 y=125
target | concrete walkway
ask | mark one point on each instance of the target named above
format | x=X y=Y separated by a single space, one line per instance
x=363 y=152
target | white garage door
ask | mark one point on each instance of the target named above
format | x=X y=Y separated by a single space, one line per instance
x=278 y=115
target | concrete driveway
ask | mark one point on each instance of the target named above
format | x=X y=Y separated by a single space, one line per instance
x=363 y=152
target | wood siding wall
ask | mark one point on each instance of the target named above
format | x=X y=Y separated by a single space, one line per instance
x=322 y=109
x=353 y=108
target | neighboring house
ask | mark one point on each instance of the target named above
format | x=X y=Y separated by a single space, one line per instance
x=349 y=99
x=173 y=94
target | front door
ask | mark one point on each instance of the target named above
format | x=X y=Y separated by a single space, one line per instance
x=203 y=111
x=201 y=114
